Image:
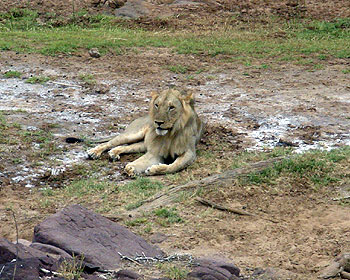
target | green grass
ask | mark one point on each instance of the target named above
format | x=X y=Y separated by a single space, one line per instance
x=167 y=216
x=12 y=74
x=37 y=80
x=87 y=78
x=20 y=31
x=315 y=169
x=84 y=187
x=72 y=269
x=3 y=123
x=173 y=272
x=136 y=222
x=137 y=191
x=178 y=69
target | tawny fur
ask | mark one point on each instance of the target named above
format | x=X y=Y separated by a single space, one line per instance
x=169 y=133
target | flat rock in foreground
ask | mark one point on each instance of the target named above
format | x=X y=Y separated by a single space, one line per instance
x=81 y=232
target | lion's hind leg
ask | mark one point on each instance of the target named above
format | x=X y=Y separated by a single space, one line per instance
x=139 y=147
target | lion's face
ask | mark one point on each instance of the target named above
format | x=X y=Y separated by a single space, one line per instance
x=167 y=110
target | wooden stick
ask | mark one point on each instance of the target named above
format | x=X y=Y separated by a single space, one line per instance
x=231 y=210
x=222 y=208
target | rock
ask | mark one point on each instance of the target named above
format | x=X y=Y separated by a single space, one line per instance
x=158 y=238
x=23 y=242
x=330 y=271
x=101 y=89
x=185 y=3
x=286 y=143
x=94 y=52
x=28 y=269
x=214 y=269
x=8 y=252
x=133 y=9
x=344 y=261
x=28 y=265
x=274 y=274
x=127 y=275
x=49 y=249
x=341 y=263
x=115 y=4
x=81 y=232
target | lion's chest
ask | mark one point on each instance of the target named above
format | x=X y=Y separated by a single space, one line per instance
x=168 y=147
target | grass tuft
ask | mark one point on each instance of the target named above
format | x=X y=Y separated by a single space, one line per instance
x=167 y=216
x=37 y=80
x=12 y=74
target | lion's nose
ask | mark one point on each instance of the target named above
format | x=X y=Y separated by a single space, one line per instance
x=158 y=123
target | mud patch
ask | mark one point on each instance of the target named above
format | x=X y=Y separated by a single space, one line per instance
x=251 y=119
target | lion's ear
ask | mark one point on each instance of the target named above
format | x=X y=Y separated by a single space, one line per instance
x=188 y=97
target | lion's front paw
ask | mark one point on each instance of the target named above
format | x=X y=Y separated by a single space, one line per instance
x=131 y=170
x=113 y=156
x=156 y=169
x=93 y=154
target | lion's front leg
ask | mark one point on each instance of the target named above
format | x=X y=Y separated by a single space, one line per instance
x=180 y=163
x=140 y=165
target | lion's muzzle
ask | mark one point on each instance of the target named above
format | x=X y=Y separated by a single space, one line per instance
x=161 y=131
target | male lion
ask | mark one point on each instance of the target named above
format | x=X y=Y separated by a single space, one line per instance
x=168 y=135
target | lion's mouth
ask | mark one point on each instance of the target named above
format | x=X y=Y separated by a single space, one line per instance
x=161 y=131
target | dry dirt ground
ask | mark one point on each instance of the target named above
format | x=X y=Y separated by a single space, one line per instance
x=244 y=108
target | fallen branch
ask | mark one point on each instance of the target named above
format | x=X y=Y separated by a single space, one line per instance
x=169 y=195
x=231 y=210
x=222 y=208
x=143 y=259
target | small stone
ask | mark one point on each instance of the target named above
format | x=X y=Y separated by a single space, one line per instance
x=127 y=274
x=94 y=52
x=158 y=237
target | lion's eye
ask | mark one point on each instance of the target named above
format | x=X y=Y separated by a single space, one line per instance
x=156 y=106
x=171 y=108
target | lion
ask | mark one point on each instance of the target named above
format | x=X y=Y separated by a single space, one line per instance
x=168 y=135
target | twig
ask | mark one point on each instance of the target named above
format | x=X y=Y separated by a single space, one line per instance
x=341 y=198
x=231 y=210
x=127 y=258
x=64 y=84
x=14 y=218
x=140 y=259
x=223 y=208
x=2 y=269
